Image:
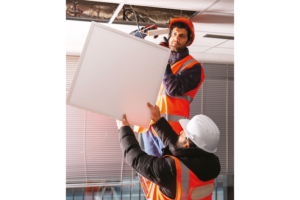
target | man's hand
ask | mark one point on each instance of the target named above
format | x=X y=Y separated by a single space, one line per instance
x=155 y=113
x=123 y=122
x=165 y=43
x=144 y=30
x=138 y=34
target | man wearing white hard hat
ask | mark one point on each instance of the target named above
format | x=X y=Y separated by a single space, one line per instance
x=188 y=165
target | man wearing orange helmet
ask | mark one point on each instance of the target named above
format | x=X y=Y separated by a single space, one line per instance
x=182 y=79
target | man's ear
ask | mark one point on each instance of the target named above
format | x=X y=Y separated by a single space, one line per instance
x=188 y=43
x=187 y=145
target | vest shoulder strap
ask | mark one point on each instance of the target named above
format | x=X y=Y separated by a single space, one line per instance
x=183 y=175
x=184 y=189
x=186 y=64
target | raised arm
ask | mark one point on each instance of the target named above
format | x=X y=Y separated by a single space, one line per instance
x=183 y=82
x=158 y=170
x=162 y=127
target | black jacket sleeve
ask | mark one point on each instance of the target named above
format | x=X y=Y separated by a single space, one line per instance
x=165 y=132
x=182 y=82
x=161 y=171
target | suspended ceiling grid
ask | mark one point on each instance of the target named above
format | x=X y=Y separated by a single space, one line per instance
x=214 y=17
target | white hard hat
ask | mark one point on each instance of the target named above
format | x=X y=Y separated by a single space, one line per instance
x=202 y=131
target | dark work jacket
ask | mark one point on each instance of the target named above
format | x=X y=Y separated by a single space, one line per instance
x=184 y=81
x=162 y=171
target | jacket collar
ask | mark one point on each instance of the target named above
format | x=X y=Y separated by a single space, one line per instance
x=177 y=56
x=188 y=152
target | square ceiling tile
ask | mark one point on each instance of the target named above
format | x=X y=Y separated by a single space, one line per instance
x=216 y=23
x=207 y=42
x=75 y=40
x=228 y=44
x=223 y=6
x=220 y=50
x=197 y=48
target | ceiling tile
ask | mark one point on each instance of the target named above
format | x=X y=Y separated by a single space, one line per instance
x=206 y=42
x=223 y=6
x=228 y=44
x=74 y=49
x=214 y=23
x=77 y=28
x=213 y=57
x=75 y=40
x=220 y=50
x=197 y=48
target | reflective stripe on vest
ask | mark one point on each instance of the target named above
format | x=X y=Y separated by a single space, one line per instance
x=202 y=191
x=197 y=192
x=173 y=118
x=185 y=97
x=186 y=189
x=153 y=187
x=186 y=64
x=184 y=181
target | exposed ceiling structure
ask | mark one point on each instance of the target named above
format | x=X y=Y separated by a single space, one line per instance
x=122 y=13
x=211 y=18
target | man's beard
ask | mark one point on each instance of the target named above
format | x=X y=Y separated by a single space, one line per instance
x=178 y=49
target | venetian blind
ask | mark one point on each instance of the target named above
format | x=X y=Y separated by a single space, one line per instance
x=215 y=98
x=93 y=152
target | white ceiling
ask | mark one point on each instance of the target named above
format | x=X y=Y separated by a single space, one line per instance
x=215 y=17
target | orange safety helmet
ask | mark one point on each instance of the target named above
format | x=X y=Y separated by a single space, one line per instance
x=186 y=21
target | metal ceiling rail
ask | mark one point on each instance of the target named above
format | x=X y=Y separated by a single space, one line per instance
x=117 y=11
x=84 y=185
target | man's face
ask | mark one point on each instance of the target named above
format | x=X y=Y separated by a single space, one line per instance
x=181 y=142
x=179 y=39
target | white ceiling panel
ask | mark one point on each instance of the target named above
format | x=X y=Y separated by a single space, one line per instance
x=220 y=50
x=214 y=23
x=206 y=42
x=228 y=44
x=101 y=56
x=223 y=6
x=213 y=57
x=75 y=40
x=77 y=28
x=197 y=48
x=74 y=50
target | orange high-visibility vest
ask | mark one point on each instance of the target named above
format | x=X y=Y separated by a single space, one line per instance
x=175 y=108
x=188 y=186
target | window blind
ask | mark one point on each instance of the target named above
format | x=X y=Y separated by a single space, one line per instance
x=93 y=152
x=215 y=98
x=230 y=119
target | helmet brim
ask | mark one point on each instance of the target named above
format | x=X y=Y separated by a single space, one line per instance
x=183 y=123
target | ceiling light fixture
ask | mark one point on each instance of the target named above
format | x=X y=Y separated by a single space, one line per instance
x=219 y=37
